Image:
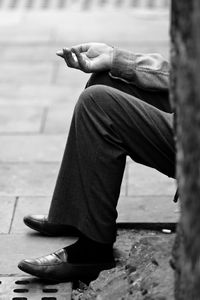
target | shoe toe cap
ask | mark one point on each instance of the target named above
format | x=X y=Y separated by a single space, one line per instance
x=30 y=219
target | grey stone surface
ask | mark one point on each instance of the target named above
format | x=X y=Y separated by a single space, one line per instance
x=19 y=73
x=143 y=180
x=28 y=53
x=32 y=148
x=73 y=27
x=58 y=119
x=115 y=31
x=7 y=205
x=39 y=95
x=70 y=77
x=26 y=206
x=18 y=119
x=19 y=33
x=147 y=209
x=28 y=178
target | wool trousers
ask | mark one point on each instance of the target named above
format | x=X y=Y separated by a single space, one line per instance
x=111 y=119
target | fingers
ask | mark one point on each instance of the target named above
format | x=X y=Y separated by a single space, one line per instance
x=82 y=47
x=69 y=58
x=76 y=57
x=80 y=58
x=60 y=53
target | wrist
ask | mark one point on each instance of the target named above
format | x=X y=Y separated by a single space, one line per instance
x=111 y=57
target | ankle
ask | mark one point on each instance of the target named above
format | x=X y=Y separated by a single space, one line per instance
x=87 y=250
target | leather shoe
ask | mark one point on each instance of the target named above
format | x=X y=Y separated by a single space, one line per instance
x=56 y=267
x=40 y=223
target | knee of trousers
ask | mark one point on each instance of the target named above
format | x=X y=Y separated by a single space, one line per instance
x=98 y=78
x=93 y=98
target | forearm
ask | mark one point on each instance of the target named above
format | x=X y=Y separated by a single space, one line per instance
x=148 y=71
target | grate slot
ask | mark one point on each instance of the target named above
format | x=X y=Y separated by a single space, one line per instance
x=19 y=298
x=50 y=290
x=20 y=291
x=22 y=282
x=49 y=298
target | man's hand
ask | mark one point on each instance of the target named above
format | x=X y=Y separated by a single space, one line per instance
x=89 y=58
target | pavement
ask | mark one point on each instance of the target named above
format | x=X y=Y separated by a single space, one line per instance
x=37 y=96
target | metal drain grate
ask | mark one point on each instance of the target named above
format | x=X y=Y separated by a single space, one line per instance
x=26 y=288
x=80 y=4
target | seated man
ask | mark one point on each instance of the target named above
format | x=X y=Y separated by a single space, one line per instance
x=124 y=110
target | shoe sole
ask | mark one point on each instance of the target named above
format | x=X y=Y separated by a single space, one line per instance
x=73 y=272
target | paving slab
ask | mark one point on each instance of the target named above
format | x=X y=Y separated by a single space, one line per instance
x=19 y=119
x=7 y=206
x=6 y=92
x=124 y=185
x=22 y=33
x=36 y=148
x=58 y=119
x=73 y=26
x=134 y=27
x=17 y=247
x=71 y=77
x=147 y=209
x=28 y=53
x=143 y=180
x=55 y=93
x=39 y=95
x=28 y=178
x=18 y=73
x=26 y=206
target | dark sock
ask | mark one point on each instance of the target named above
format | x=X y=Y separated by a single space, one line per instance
x=87 y=250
